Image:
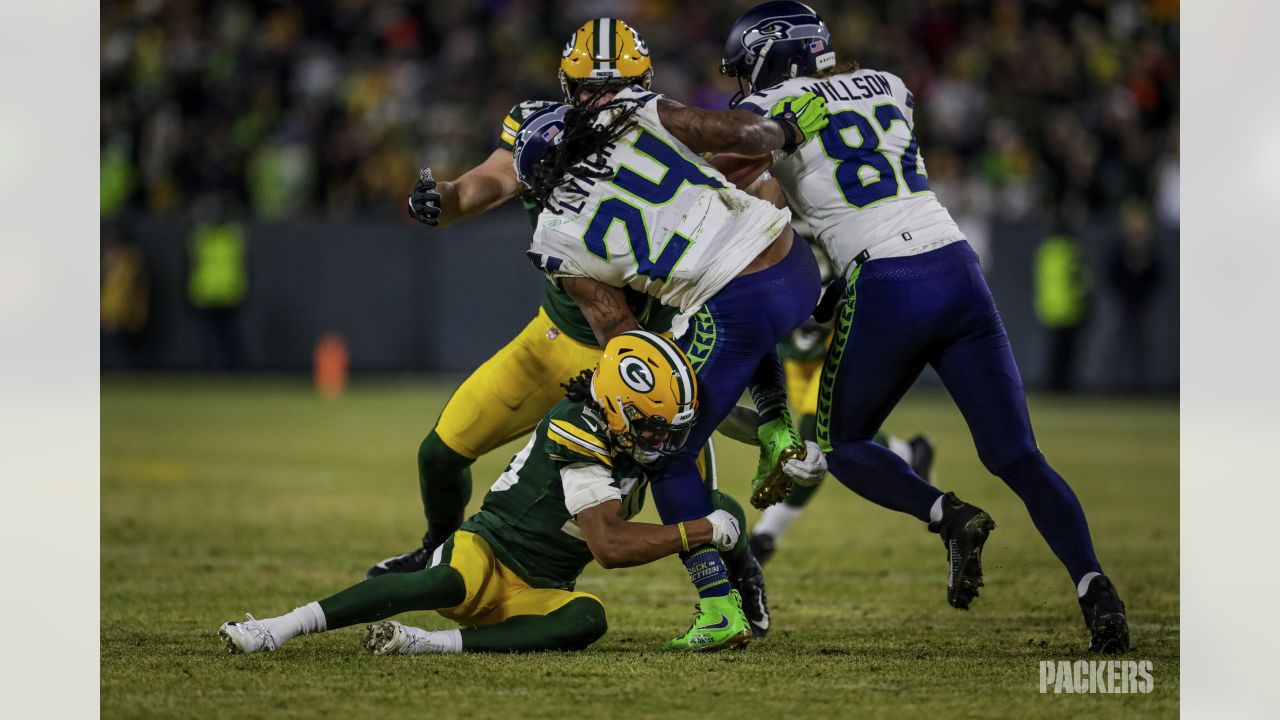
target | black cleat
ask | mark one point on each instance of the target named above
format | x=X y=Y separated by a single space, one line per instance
x=922 y=453
x=1105 y=618
x=762 y=546
x=755 y=603
x=412 y=561
x=964 y=529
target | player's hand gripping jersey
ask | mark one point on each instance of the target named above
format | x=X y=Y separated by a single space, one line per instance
x=862 y=186
x=667 y=224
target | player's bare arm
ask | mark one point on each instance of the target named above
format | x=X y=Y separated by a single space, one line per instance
x=604 y=306
x=616 y=543
x=722 y=131
x=744 y=170
x=476 y=191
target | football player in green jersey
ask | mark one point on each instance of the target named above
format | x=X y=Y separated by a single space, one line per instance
x=507 y=575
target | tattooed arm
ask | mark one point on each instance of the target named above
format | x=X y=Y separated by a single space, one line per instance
x=604 y=306
x=732 y=131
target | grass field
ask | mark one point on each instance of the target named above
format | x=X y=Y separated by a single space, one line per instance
x=221 y=497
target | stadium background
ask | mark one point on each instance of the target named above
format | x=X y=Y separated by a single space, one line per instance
x=255 y=161
x=299 y=128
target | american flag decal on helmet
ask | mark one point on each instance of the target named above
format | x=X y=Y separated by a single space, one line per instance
x=817 y=46
x=551 y=132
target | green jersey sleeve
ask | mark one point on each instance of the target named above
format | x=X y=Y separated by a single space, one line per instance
x=511 y=123
x=576 y=434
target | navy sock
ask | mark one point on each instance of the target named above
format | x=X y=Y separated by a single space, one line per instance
x=768 y=388
x=1055 y=510
x=875 y=473
x=707 y=571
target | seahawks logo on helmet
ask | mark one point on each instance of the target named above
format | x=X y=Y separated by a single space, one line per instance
x=636 y=374
x=779 y=28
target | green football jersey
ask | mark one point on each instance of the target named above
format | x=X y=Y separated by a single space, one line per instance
x=563 y=311
x=524 y=516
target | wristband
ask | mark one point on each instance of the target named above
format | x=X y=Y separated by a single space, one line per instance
x=789 y=140
x=684 y=538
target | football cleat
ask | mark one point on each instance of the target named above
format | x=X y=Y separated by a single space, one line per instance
x=763 y=545
x=964 y=529
x=718 y=624
x=1104 y=616
x=391 y=638
x=779 y=442
x=922 y=452
x=755 y=602
x=247 y=637
x=412 y=561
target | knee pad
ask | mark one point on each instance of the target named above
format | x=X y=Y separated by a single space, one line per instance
x=588 y=622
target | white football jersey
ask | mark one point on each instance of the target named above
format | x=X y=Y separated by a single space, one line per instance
x=861 y=183
x=667 y=224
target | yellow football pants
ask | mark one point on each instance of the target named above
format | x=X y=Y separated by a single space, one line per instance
x=506 y=396
x=802 y=385
x=493 y=592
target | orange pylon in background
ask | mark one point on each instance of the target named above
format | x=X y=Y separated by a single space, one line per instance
x=330 y=365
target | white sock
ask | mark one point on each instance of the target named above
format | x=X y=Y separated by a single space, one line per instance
x=1083 y=587
x=301 y=621
x=776 y=519
x=935 y=512
x=901 y=448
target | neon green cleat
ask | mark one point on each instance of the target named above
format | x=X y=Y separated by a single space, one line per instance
x=718 y=624
x=779 y=442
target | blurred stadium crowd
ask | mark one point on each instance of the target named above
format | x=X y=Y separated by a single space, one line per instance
x=330 y=107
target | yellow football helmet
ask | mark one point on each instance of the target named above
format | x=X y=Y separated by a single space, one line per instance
x=603 y=50
x=648 y=392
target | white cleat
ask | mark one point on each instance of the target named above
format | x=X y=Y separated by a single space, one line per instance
x=391 y=638
x=246 y=637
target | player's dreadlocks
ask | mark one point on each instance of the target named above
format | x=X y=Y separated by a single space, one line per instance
x=579 y=152
x=579 y=390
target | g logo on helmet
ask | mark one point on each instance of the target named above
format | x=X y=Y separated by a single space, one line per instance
x=640 y=46
x=636 y=374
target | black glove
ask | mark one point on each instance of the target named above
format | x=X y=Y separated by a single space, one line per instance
x=424 y=201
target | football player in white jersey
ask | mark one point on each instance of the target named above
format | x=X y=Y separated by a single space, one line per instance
x=913 y=295
x=629 y=202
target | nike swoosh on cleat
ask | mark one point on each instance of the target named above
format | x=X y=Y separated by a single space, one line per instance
x=724 y=623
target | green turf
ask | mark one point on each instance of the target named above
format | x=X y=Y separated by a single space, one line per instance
x=221 y=497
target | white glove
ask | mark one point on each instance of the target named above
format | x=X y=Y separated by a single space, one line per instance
x=724 y=529
x=809 y=471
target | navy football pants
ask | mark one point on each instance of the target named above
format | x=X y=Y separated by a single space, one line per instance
x=728 y=342
x=935 y=308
